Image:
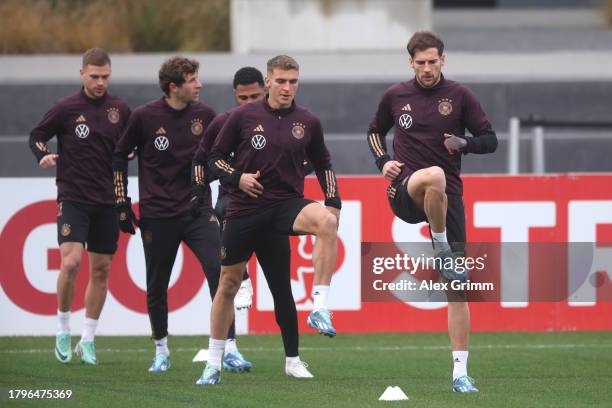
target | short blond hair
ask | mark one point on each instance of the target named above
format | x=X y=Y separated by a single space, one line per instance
x=96 y=56
x=283 y=62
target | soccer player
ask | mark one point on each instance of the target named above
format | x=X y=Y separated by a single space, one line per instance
x=166 y=133
x=430 y=115
x=87 y=126
x=271 y=139
x=273 y=249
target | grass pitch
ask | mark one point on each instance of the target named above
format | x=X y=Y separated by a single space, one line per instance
x=511 y=370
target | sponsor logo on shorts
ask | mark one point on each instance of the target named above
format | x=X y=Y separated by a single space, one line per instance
x=258 y=142
x=197 y=126
x=298 y=130
x=60 y=209
x=113 y=115
x=405 y=121
x=223 y=253
x=445 y=106
x=212 y=218
x=161 y=143
x=65 y=230
x=82 y=131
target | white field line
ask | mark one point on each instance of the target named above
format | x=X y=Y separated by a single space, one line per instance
x=342 y=348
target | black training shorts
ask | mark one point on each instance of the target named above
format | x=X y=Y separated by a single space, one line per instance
x=406 y=209
x=241 y=234
x=95 y=226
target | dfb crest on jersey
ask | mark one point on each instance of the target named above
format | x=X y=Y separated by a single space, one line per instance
x=258 y=142
x=113 y=115
x=161 y=143
x=298 y=130
x=405 y=121
x=82 y=131
x=445 y=106
x=197 y=126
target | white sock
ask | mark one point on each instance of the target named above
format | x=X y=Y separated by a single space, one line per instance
x=319 y=295
x=439 y=240
x=89 y=329
x=161 y=346
x=63 y=322
x=231 y=346
x=292 y=360
x=215 y=352
x=460 y=359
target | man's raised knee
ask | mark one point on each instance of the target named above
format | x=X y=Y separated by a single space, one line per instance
x=328 y=225
x=436 y=177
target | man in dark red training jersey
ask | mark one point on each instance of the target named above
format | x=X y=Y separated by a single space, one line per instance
x=270 y=140
x=430 y=115
x=87 y=126
x=165 y=133
x=273 y=250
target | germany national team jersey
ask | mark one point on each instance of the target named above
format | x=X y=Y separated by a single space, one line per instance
x=87 y=130
x=166 y=140
x=421 y=117
x=275 y=142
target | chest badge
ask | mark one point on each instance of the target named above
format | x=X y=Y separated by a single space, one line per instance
x=298 y=130
x=258 y=142
x=197 y=126
x=445 y=106
x=113 y=115
x=405 y=121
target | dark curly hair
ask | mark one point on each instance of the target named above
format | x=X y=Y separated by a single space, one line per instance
x=174 y=70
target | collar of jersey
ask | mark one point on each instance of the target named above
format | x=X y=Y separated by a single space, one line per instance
x=94 y=101
x=433 y=88
x=279 y=112
x=171 y=109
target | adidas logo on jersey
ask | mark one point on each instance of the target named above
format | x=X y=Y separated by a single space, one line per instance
x=407 y=108
x=161 y=131
x=259 y=128
x=80 y=119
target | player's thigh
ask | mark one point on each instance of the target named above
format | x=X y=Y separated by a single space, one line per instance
x=202 y=237
x=160 y=240
x=423 y=178
x=71 y=254
x=402 y=204
x=103 y=233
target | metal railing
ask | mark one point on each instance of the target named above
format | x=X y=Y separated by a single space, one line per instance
x=537 y=125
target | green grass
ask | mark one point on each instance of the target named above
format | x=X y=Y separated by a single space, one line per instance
x=511 y=369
